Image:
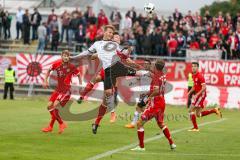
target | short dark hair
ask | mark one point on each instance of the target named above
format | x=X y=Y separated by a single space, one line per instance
x=109 y=26
x=195 y=63
x=160 y=64
x=66 y=52
x=116 y=33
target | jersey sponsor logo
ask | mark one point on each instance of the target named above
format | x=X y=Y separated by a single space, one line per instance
x=110 y=46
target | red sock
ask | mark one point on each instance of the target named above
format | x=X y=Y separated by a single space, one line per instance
x=194 y=122
x=53 y=118
x=167 y=135
x=141 y=137
x=87 y=89
x=58 y=118
x=207 y=112
x=101 y=112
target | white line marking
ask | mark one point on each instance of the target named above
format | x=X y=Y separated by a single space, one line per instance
x=127 y=147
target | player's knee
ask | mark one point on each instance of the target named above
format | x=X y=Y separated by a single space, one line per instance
x=191 y=110
x=49 y=106
x=139 y=124
x=138 y=109
x=108 y=92
x=198 y=114
x=161 y=125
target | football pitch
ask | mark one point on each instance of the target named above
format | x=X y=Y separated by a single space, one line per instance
x=21 y=139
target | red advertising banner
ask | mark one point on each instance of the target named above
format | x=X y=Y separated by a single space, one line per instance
x=218 y=73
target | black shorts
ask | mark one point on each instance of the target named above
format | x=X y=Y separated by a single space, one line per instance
x=115 y=71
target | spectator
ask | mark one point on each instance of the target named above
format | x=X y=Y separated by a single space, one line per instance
x=51 y=17
x=139 y=40
x=76 y=11
x=88 y=12
x=208 y=16
x=65 y=17
x=127 y=23
x=213 y=41
x=203 y=42
x=7 y=25
x=132 y=42
x=36 y=19
x=132 y=14
x=26 y=27
x=19 y=22
x=2 y=14
x=90 y=16
x=177 y=16
x=157 y=41
x=224 y=30
x=233 y=45
x=164 y=44
x=80 y=38
x=91 y=34
x=102 y=19
x=42 y=34
x=147 y=43
x=100 y=32
x=81 y=20
x=53 y=24
x=116 y=18
x=92 y=19
x=194 y=45
x=55 y=39
x=73 y=27
x=172 y=45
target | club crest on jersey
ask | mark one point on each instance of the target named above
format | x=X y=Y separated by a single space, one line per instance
x=110 y=46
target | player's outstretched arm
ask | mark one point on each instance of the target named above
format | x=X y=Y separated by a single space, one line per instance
x=202 y=90
x=191 y=91
x=155 y=92
x=45 y=83
x=82 y=54
x=132 y=63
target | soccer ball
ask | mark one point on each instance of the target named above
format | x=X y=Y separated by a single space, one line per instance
x=149 y=8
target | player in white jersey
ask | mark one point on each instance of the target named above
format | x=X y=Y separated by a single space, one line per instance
x=109 y=53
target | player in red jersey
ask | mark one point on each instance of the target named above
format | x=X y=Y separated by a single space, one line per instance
x=199 y=88
x=62 y=93
x=155 y=105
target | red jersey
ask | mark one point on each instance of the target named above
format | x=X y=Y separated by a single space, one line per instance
x=198 y=80
x=159 y=80
x=64 y=75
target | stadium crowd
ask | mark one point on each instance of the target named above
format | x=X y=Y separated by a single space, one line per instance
x=150 y=35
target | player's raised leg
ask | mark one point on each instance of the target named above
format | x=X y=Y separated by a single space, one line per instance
x=90 y=86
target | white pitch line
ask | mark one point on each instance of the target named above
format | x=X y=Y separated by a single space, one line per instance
x=108 y=153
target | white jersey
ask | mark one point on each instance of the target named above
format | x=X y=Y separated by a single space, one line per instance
x=107 y=52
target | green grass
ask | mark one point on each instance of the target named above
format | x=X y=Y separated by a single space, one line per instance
x=21 y=138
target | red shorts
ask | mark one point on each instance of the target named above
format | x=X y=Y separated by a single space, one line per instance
x=198 y=101
x=155 y=109
x=63 y=98
x=102 y=74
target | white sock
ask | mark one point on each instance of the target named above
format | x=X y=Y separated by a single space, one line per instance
x=135 y=118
